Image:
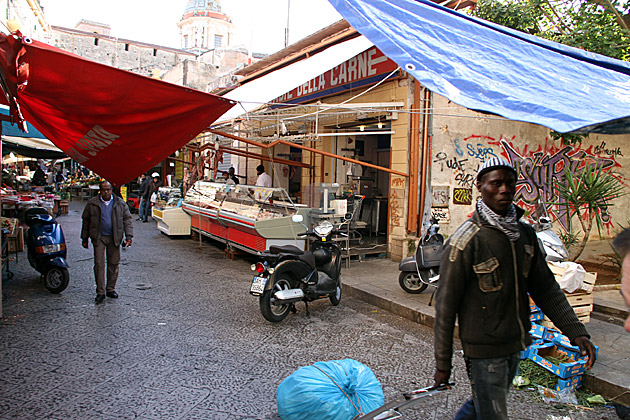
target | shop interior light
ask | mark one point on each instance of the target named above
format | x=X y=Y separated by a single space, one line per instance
x=380 y=124
x=362 y=128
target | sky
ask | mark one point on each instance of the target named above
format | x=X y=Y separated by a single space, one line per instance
x=259 y=23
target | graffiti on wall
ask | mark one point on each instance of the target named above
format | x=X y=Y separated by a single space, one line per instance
x=395 y=207
x=539 y=168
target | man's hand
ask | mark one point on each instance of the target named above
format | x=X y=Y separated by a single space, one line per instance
x=586 y=348
x=85 y=244
x=441 y=377
x=128 y=242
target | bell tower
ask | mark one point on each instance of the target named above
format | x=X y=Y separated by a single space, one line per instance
x=204 y=27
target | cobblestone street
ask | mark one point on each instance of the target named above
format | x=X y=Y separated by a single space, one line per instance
x=185 y=340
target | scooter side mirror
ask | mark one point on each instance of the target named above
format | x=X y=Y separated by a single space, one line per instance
x=347 y=216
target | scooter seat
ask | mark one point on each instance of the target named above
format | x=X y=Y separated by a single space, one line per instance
x=285 y=249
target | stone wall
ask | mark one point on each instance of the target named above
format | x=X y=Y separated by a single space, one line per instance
x=146 y=59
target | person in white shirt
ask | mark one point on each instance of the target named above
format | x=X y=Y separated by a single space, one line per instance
x=264 y=180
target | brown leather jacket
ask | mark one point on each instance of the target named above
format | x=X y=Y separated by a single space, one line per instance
x=484 y=282
x=121 y=220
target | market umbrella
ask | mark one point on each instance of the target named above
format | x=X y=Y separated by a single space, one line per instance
x=117 y=123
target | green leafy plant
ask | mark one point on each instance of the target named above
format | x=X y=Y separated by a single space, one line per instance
x=587 y=194
x=569 y=239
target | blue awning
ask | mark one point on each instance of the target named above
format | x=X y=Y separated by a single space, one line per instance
x=491 y=68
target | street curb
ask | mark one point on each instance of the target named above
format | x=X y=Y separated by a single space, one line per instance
x=594 y=384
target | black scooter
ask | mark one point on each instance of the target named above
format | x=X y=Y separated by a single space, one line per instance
x=46 y=248
x=423 y=269
x=288 y=275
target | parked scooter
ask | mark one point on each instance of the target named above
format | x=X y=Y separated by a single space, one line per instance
x=46 y=249
x=423 y=269
x=550 y=243
x=288 y=275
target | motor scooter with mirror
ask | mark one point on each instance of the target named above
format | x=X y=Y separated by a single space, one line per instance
x=287 y=275
x=423 y=269
x=46 y=248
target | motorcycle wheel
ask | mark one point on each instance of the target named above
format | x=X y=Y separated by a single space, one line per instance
x=335 y=298
x=271 y=311
x=411 y=283
x=56 y=279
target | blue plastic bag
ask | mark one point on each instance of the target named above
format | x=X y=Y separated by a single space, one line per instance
x=333 y=390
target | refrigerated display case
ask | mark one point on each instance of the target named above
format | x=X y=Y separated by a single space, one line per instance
x=171 y=219
x=247 y=217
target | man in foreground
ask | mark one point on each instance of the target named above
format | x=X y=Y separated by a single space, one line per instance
x=622 y=245
x=105 y=218
x=488 y=267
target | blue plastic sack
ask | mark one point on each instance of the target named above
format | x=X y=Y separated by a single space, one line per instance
x=315 y=392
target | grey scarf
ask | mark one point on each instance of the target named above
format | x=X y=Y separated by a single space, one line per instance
x=508 y=224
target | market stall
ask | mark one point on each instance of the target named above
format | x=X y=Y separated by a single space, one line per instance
x=246 y=217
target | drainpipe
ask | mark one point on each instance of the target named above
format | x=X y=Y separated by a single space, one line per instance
x=414 y=151
x=425 y=151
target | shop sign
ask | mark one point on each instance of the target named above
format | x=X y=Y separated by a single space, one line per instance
x=360 y=68
x=462 y=196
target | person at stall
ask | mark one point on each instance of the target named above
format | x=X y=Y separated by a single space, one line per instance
x=59 y=179
x=39 y=177
x=233 y=176
x=143 y=181
x=106 y=218
x=226 y=178
x=150 y=189
x=264 y=180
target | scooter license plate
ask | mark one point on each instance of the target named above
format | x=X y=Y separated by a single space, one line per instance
x=258 y=285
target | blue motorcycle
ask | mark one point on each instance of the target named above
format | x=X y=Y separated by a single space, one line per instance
x=46 y=248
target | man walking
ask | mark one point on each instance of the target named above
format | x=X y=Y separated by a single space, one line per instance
x=489 y=265
x=105 y=218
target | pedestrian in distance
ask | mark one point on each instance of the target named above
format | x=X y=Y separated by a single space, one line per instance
x=488 y=267
x=622 y=246
x=106 y=218
x=264 y=180
x=144 y=180
x=227 y=179
x=151 y=188
x=233 y=176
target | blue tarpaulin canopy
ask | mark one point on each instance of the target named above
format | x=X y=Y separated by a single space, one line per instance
x=491 y=68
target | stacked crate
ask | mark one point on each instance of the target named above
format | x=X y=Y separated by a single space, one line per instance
x=553 y=351
x=581 y=300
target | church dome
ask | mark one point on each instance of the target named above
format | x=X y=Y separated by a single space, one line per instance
x=200 y=8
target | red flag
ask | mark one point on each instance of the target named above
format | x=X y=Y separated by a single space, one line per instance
x=116 y=123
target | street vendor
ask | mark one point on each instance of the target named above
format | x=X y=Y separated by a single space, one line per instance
x=488 y=267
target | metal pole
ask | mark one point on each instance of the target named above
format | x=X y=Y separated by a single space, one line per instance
x=286 y=30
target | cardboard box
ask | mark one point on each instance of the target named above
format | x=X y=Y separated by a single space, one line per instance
x=563 y=344
x=15 y=242
x=550 y=334
x=536 y=316
x=564 y=370
x=537 y=331
x=572 y=383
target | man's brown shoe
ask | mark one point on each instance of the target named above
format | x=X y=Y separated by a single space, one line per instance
x=99 y=299
x=112 y=295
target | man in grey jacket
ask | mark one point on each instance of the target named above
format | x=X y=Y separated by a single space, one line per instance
x=488 y=267
x=105 y=218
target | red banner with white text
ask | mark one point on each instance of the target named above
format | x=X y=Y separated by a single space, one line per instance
x=117 y=123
